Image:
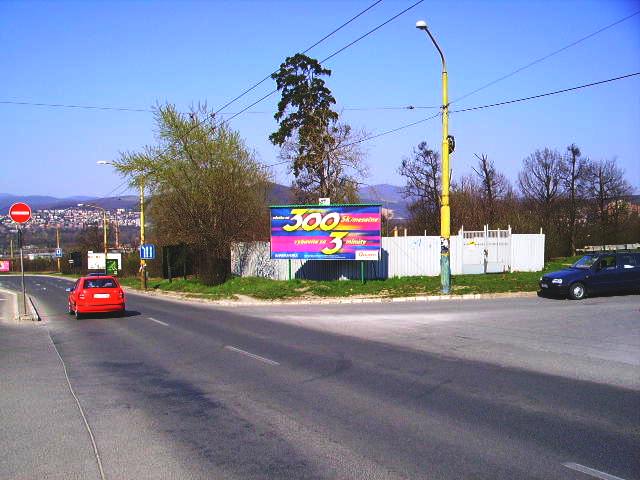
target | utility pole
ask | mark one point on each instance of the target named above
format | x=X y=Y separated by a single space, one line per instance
x=143 y=263
x=445 y=212
x=11 y=253
x=58 y=245
x=106 y=245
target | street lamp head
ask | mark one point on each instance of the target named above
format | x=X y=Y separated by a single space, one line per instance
x=421 y=25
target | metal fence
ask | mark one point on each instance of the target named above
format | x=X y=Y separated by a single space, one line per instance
x=400 y=257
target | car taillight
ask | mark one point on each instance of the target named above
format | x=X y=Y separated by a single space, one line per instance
x=121 y=294
x=81 y=295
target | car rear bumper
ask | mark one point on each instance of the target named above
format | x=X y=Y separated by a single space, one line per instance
x=112 y=307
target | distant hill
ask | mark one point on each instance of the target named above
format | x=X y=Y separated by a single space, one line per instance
x=389 y=195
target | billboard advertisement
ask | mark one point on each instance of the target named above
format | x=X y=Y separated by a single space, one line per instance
x=326 y=232
x=95 y=261
x=5 y=265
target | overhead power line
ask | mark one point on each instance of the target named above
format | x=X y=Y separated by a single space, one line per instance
x=555 y=92
x=506 y=102
x=257 y=84
x=86 y=107
x=408 y=107
x=340 y=50
x=549 y=55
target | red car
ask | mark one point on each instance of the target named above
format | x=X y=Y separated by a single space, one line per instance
x=99 y=294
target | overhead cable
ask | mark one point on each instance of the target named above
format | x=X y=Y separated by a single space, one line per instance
x=549 y=55
x=257 y=84
x=555 y=92
x=340 y=50
x=86 y=107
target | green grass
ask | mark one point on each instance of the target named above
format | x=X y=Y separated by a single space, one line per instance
x=266 y=289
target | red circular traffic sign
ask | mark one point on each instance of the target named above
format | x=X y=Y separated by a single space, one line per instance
x=20 y=212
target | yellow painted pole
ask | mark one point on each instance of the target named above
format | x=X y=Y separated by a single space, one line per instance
x=104 y=231
x=445 y=212
x=143 y=263
x=58 y=245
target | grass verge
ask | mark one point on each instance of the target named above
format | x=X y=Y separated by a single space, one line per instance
x=265 y=289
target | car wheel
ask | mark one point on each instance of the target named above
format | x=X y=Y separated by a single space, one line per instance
x=71 y=312
x=78 y=314
x=577 y=291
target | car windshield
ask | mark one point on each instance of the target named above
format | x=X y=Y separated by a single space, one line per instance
x=100 y=283
x=585 y=262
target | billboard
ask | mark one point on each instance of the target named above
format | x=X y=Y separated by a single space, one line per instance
x=5 y=265
x=95 y=261
x=326 y=232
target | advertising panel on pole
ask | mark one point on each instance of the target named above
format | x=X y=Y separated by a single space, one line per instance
x=95 y=261
x=326 y=232
x=5 y=265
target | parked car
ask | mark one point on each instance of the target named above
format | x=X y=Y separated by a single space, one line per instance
x=607 y=272
x=96 y=294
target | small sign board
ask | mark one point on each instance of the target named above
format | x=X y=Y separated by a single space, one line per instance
x=147 y=251
x=5 y=265
x=324 y=201
x=112 y=266
x=58 y=253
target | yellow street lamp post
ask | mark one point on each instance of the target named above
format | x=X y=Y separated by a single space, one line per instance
x=445 y=212
x=143 y=263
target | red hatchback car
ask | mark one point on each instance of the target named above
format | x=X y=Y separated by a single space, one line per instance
x=100 y=294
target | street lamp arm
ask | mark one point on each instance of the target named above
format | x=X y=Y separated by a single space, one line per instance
x=444 y=63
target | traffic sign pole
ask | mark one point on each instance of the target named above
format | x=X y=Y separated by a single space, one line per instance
x=24 y=290
x=21 y=213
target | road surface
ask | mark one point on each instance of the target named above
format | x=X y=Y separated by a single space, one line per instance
x=478 y=389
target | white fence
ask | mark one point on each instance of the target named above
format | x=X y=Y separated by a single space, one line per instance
x=400 y=257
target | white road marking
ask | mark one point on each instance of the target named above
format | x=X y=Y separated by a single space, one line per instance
x=590 y=471
x=252 y=355
x=158 y=321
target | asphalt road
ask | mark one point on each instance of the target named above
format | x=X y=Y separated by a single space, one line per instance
x=497 y=389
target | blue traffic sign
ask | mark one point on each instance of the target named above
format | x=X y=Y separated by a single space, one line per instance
x=147 y=251
x=58 y=253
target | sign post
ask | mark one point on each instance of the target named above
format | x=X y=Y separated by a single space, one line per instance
x=21 y=213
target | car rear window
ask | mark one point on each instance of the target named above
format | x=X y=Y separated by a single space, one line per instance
x=100 y=283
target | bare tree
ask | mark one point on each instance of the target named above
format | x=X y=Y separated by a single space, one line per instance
x=540 y=183
x=494 y=187
x=608 y=187
x=575 y=172
x=335 y=168
x=423 y=182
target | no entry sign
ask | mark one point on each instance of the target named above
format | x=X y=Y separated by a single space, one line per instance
x=20 y=212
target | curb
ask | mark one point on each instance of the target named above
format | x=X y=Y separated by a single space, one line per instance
x=333 y=300
x=321 y=301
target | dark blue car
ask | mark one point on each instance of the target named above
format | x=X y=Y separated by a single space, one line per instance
x=595 y=273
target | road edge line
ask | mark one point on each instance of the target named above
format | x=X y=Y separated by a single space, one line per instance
x=84 y=418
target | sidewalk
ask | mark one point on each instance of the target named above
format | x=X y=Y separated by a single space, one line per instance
x=42 y=434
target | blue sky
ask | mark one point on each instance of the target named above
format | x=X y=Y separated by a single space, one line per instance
x=135 y=54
